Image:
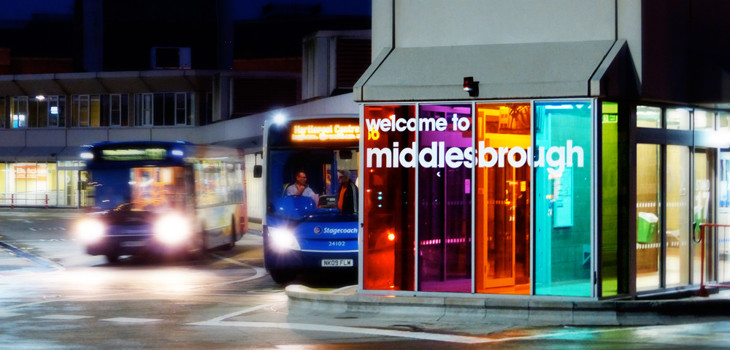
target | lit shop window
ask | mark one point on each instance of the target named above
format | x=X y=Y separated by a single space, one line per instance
x=502 y=214
x=389 y=202
x=444 y=199
x=563 y=187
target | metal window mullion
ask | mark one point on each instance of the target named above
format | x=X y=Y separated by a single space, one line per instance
x=596 y=165
x=533 y=201
x=663 y=214
x=416 y=205
x=474 y=189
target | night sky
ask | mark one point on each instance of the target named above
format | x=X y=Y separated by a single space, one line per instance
x=12 y=11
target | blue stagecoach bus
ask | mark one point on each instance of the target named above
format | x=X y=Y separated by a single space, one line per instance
x=310 y=225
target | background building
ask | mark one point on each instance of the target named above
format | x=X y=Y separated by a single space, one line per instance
x=191 y=70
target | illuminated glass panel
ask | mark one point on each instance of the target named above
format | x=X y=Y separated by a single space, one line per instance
x=444 y=200
x=648 y=220
x=703 y=212
x=388 y=202
x=677 y=213
x=678 y=119
x=563 y=198
x=613 y=246
x=502 y=213
x=704 y=120
x=648 y=117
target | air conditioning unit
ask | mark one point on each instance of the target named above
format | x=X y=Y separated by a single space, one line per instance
x=171 y=58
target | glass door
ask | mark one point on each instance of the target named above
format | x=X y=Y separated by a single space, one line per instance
x=503 y=201
x=702 y=211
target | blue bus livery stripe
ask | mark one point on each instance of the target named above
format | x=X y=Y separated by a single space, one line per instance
x=329 y=251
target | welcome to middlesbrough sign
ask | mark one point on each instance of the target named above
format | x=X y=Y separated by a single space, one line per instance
x=436 y=155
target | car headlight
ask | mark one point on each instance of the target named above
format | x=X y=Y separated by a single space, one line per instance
x=172 y=229
x=283 y=239
x=90 y=230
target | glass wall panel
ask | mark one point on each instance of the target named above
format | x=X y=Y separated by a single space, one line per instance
x=19 y=112
x=648 y=221
x=563 y=198
x=613 y=247
x=388 y=200
x=648 y=117
x=678 y=218
x=723 y=122
x=444 y=199
x=723 y=217
x=678 y=119
x=503 y=200
x=704 y=120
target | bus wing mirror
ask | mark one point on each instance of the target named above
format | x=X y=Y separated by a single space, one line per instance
x=258 y=170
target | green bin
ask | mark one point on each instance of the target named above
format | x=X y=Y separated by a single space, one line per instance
x=646 y=227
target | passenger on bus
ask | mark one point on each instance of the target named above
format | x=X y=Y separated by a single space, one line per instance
x=301 y=188
x=347 y=197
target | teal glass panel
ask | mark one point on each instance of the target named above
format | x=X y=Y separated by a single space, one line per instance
x=562 y=165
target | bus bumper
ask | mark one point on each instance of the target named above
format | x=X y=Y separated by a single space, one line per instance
x=303 y=260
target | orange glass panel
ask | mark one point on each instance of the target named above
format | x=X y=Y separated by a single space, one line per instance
x=503 y=202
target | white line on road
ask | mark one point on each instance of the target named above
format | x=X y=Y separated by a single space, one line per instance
x=63 y=317
x=352 y=330
x=132 y=320
x=5 y=314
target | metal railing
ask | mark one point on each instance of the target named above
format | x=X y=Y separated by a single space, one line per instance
x=718 y=236
x=24 y=199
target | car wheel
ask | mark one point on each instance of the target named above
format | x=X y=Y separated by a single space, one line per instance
x=112 y=258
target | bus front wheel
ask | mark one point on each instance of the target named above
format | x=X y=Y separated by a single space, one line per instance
x=282 y=276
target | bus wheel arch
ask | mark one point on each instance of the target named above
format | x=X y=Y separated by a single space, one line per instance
x=234 y=234
x=282 y=276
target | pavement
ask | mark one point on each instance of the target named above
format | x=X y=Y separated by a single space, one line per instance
x=521 y=310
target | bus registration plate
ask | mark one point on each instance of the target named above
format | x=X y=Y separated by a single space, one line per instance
x=337 y=263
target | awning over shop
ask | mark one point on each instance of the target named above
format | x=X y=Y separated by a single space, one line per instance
x=8 y=153
x=39 y=154
x=105 y=82
x=528 y=70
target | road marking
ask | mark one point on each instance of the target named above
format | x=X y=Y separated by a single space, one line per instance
x=132 y=320
x=241 y=312
x=63 y=317
x=352 y=330
x=43 y=262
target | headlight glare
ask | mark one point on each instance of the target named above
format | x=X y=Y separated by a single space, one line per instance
x=172 y=229
x=90 y=230
x=283 y=239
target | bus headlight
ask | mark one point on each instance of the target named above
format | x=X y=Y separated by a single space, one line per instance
x=172 y=229
x=283 y=239
x=89 y=230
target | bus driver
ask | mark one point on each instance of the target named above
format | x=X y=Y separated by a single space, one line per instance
x=301 y=188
